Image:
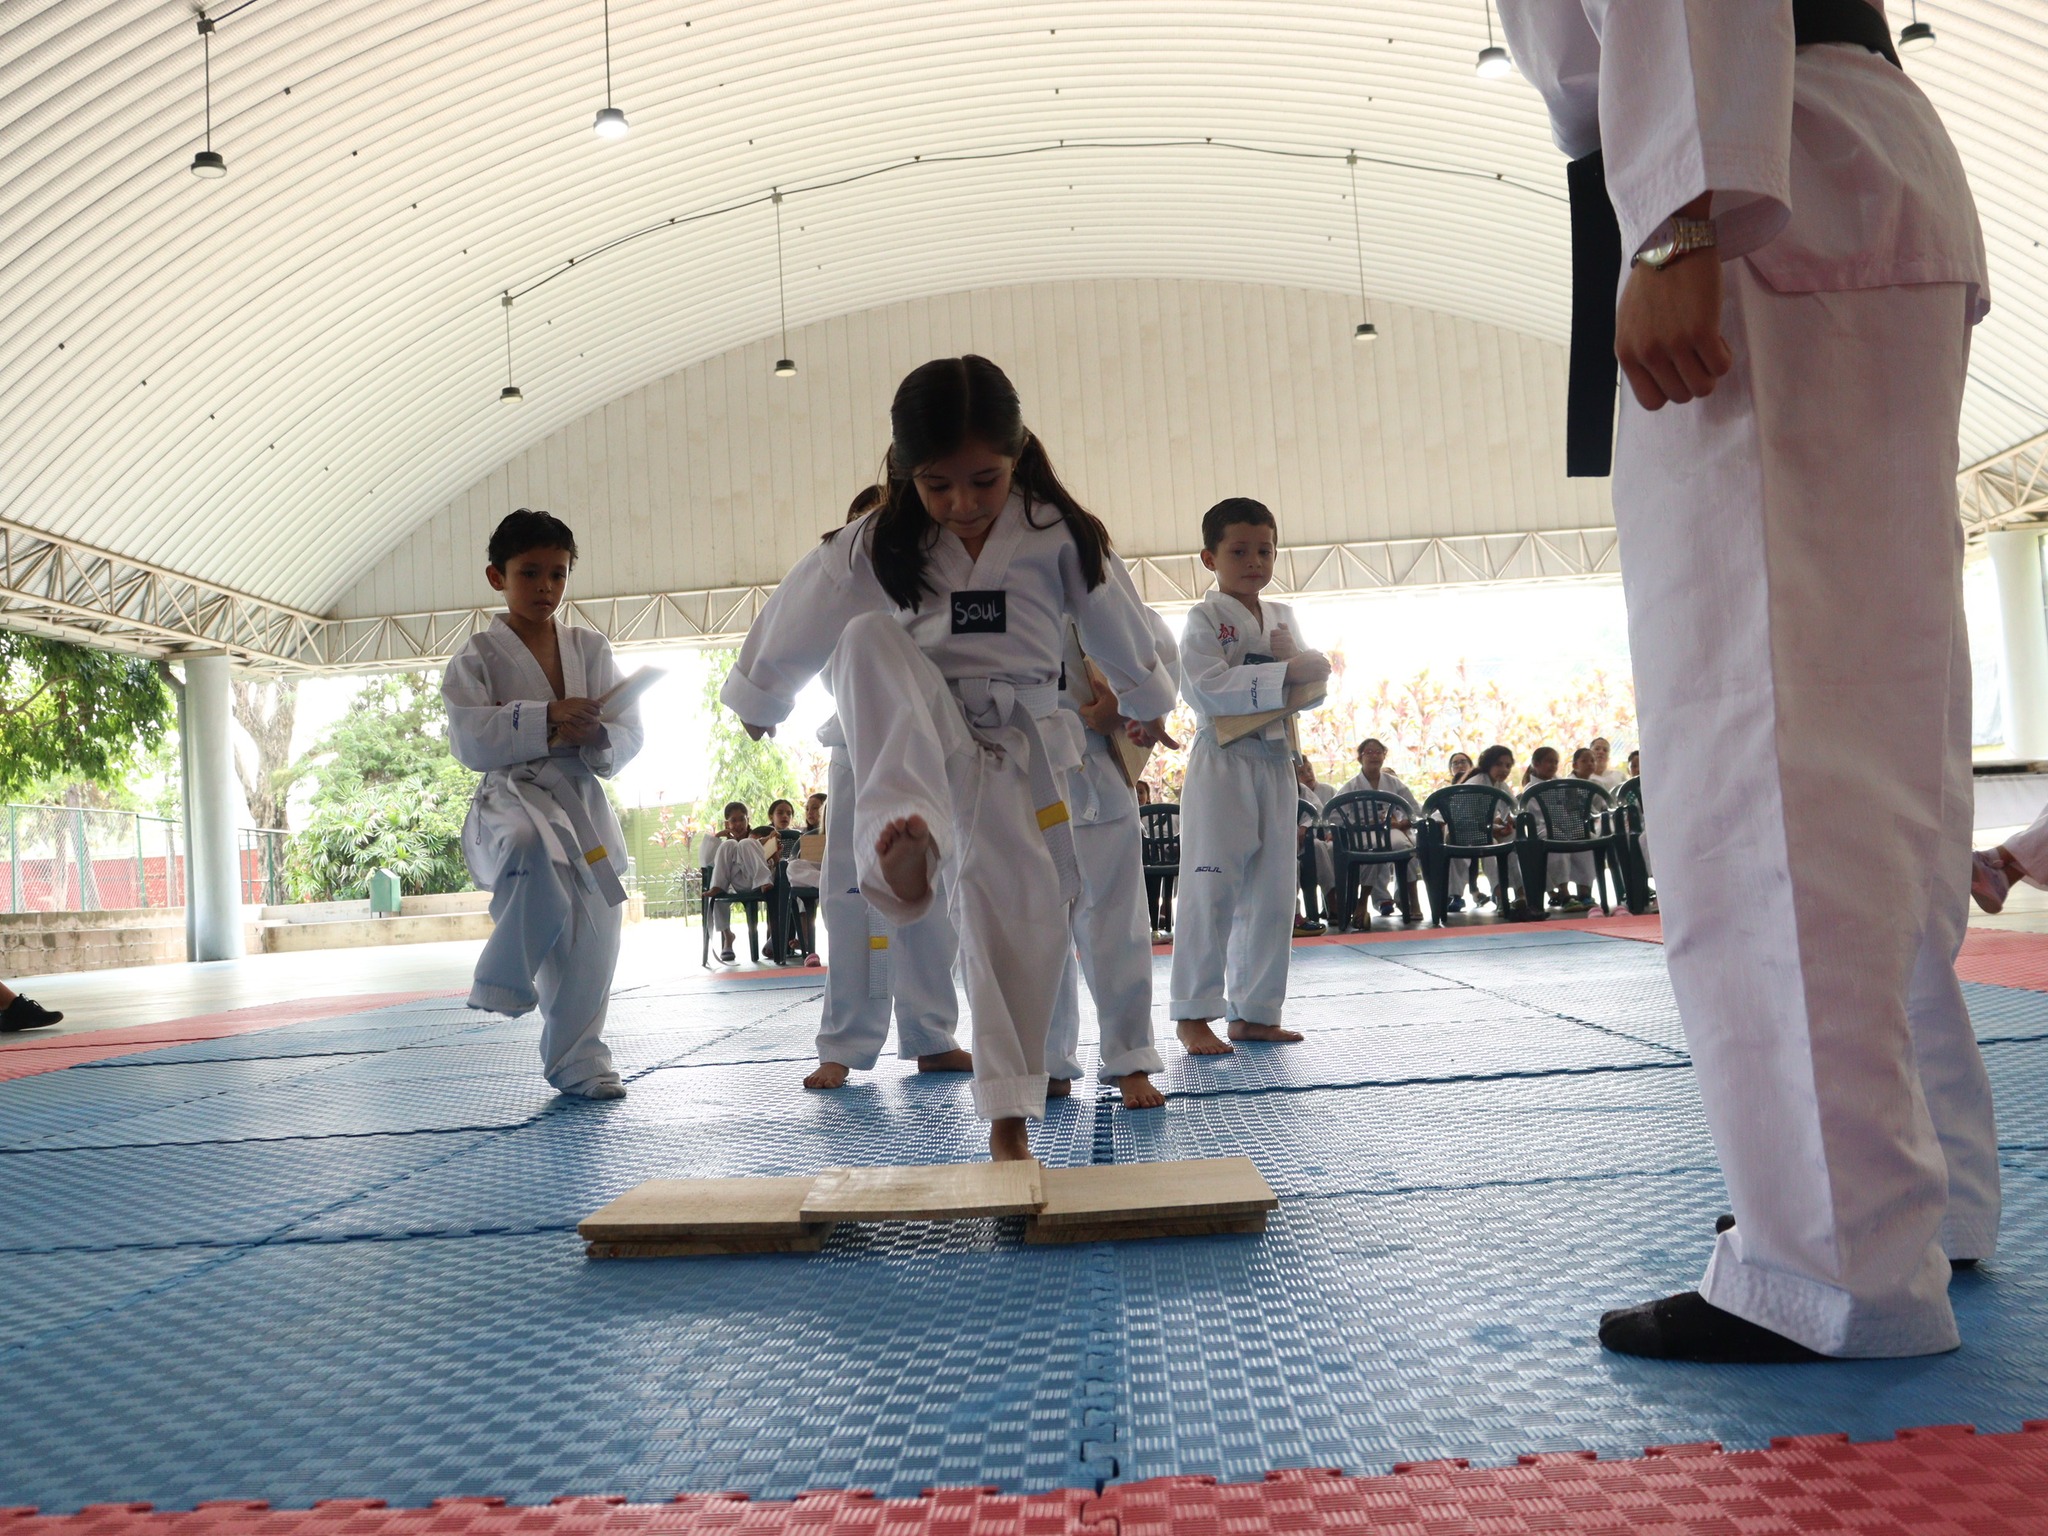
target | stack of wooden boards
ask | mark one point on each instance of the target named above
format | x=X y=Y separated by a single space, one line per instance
x=670 y=1218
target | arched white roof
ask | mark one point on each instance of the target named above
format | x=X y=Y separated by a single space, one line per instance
x=270 y=380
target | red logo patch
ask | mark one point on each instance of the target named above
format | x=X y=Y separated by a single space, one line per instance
x=1226 y=634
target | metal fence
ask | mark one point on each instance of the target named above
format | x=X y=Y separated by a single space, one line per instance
x=67 y=858
x=674 y=893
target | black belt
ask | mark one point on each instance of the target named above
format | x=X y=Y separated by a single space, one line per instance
x=1596 y=252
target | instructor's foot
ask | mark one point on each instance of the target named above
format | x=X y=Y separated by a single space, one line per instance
x=1240 y=1030
x=1059 y=1087
x=946 y=1061
x=1138 y=1092
x=26 y=1013
x=1009 y=1141
x=1200 y=1039
x=606 y=1087
x=827 y=1074
x=1689 y=1327
x=905 y=849
x=1988 y=880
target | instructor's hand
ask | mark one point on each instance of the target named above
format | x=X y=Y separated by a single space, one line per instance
x=1667 y=333
x=1307 y=667
x=1150 y=733
x=576 y=713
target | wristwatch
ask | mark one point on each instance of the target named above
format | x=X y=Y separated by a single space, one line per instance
x=1674 y=239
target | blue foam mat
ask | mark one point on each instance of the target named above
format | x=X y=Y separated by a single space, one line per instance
x=305 y=1276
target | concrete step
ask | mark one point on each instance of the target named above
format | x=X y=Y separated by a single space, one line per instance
x=354 y=911
x=283 y=936
x=50 y=943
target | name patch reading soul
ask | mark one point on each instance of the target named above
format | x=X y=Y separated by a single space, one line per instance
x=981 y=613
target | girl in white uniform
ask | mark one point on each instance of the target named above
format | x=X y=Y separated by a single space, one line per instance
x=1234 y=922
x=1112 y=931
x=1372 y=775
x=1777 y=538
x=541 y=836
x=942 y=615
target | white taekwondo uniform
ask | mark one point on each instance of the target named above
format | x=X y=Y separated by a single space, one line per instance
x=1234 y=916
x=739 y=867
x=542 y=839
x=872 y=960
x=2030 y=849
x=951 y=712
x=1777 y=540
x=1390 y=784
x=1112 y=925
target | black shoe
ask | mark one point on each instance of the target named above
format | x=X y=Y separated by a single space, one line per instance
x=26 y=1013
x=1689 y=1327
x=1723 y=1222
x=1386 y=907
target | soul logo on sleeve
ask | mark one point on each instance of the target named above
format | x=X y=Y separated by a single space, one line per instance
x=981 y=613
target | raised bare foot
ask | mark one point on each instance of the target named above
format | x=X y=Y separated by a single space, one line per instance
x=905 y=848
x=1199 y=1038
x=1059 y=1087
x=829 y=1074
x=1009 y=1141
x=1240 y=1030
x=946 y=1061
x=1138 y=1092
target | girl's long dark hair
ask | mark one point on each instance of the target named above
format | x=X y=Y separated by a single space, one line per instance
x=1482 y=770
x=940 y=406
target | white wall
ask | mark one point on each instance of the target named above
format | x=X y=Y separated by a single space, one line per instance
x=1155 y=398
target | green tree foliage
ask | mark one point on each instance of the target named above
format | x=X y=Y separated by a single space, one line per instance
x=388 y=794
x=71 y=715
x=741 y=768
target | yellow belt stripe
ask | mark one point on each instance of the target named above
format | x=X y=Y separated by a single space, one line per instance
x=1052 y=815
x=878 y=941
x=599 y=852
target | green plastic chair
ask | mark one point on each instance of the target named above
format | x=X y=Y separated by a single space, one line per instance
x=1361 y=828
x=1567 y=816
x=1460 y=821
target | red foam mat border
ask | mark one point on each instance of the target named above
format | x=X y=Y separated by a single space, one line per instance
x=1942 y=1481
x=33 y=1054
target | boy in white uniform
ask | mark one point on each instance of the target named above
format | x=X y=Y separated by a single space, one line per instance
x=1373 y=775
x=1806 y=254
x=1234 y=921
x=739 y=867
x=540 y=836
x=1112 y=930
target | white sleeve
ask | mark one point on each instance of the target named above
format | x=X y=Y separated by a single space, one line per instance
x=1214 y=687
x=1117 y=635
x=721 y=865
x=791 y=641
x=482 y=733
x=1692 y=96
x=1168 y=646
x=623 y=736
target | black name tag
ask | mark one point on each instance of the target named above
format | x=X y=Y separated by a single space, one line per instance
x=1254 y=659
x=981 y=613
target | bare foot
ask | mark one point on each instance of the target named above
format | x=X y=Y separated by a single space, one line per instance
x=1240 y=1030
x=830 y=1074
x=1199 y=1038
x=1009 y=1141
x=905 y=848
x=1059 y=1087
x=946 y=1061
x=1138 y=1092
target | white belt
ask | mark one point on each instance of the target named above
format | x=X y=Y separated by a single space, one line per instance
x=545 y=784
x=990 y=704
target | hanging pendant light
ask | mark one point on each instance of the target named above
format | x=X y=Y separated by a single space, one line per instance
x=1493 y=63
x=1366 y=330
x=207 y=163
x=510 y=394
x=1917 y=33
x=785 y=365
x=611 y=122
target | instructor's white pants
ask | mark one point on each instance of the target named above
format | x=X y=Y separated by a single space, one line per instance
x=913 y=754
x=2030 y=850
x=1113 y=939
x=1792 y=563
x=554 y=944
x=870 y=960
x=1233 y=919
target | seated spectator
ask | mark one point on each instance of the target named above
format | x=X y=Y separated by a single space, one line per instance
x=2023 y=856
x=739 y=868
x=1494 y=766
x=1145 y=795
x=802 y=874
x=1461 y=869
x=18 y=1012
x=1318 y=868
x=1605 y=774
x=1373 y=775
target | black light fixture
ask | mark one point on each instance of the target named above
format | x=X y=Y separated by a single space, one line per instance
x=611 y=122
x=785 y=365
x=510 y=394
x=207 y=163
x=1493 y=62
x=1917 y=33
x=1366 y=330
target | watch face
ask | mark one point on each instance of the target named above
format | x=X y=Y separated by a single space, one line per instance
x=1658 y=254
